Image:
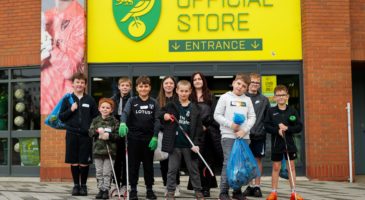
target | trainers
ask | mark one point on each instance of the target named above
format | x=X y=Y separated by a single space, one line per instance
x=83 y=190
x=76 y=190
x=206 y=192
x=123 y=191
x=284 y=174
x=249 y=191
x=105 y=194
x=224 y=196
x=199 y=195
x=272 y=196
x=238 y=195
x=150 y=195
x=293 y=195
x=99 y=195
x=257 y=192
x=170 y=196
x=177 y=191
x=133 y=195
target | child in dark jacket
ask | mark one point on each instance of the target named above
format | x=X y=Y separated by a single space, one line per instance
x=282 y=122
x=104 y=131
x=176 y=144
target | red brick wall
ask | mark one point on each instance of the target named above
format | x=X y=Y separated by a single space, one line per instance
x=327 y=86
x=358 y=29
x=19 y=33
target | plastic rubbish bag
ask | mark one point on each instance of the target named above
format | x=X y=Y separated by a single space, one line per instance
x=242 y=166
x=238 y=118
x=159 y=154
x=52 y=119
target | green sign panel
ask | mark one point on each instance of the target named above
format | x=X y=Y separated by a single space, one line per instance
x=215 y=45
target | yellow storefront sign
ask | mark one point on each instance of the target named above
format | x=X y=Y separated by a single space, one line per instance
x=193 y=30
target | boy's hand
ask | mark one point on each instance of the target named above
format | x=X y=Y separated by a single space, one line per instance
x=169 y=117
x=235 y=127
x=153 y=144
x=281 y=132
x=195 y=149
x=240 y=133
x=100 y=130
x=104 y=136
x=123 y=130
x=74 y=107
x=283 y=127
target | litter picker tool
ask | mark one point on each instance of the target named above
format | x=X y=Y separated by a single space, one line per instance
x=290 y=170
x=111 y=163
x=126 y=195
x=191 y=142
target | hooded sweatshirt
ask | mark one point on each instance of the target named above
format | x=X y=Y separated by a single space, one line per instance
x=229 y=104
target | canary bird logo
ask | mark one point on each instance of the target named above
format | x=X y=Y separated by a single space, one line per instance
x=136 y=18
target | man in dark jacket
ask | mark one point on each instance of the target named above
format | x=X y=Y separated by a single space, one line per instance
x=257 y=133
x=77 y=118
x=175 y=142
x=120 y=99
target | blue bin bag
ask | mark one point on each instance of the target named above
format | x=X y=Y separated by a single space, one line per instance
x=238 y=118
x=52 y=119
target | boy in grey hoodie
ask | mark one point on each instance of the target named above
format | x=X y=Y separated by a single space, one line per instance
x=230 y=104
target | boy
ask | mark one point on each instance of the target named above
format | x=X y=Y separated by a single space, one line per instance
x=77 y=118
x=120 y=99
x=257 y=133
x=282 y=122
x=176 y=144
x=104 y=131
x=229 y=104
x=140 y=116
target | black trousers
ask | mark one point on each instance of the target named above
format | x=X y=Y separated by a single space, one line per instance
x=138 y=151
x=120 y=164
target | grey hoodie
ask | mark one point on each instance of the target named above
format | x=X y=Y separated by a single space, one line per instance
x=227 y=105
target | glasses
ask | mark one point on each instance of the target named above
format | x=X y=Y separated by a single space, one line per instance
x=254 y=82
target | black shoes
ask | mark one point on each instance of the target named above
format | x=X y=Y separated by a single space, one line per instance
x=224 y=196
x=238 y=195
x=99 y=195
x=83 y=190
x=76 y=190
x=150 y=195
x=133 y=195
x=257 y=192
x=206 y=193
x=249 y=191
x=105 y=194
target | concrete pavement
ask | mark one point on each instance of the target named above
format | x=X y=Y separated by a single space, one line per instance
x=32 y=189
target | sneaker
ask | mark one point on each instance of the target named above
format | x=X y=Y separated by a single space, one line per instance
x=284 y=174
x=272 y=196
x=123 y=190
x=150 y=195
x=249 y=191
x=177 y=191
x=133 y=195
x=293 y=195
x=199 y=195
x=99 y=195
x=170 y=196
x=238 y=195
x=257 y=192
x=206 y=193
x=224 y=196
x=83 y=190
x=105 y=194
x=76 y=190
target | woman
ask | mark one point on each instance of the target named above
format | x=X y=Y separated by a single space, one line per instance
x=212 y=149
x=166 y=94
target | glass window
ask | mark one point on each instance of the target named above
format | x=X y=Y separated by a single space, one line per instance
x=4 y=74
x=3 y=151
x=26 y=73
x=26 y=115
x=3 y=106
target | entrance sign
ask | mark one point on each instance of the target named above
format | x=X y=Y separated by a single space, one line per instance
x=193 y=30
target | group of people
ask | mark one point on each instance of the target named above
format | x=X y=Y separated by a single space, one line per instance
x=183 y=111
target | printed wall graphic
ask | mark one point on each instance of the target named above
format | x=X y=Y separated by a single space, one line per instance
x=62 y=48
x=268 y=85
x=136 y=18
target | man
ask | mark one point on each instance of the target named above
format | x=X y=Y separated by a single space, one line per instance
x=77 y=118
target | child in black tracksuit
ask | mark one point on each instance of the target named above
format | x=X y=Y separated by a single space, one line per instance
x=176 y=144
x=282 y=122
x=140 y=115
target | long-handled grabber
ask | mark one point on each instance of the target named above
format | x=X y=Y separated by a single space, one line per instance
x=126 y=195
x=290 y=170
x=111 y=163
